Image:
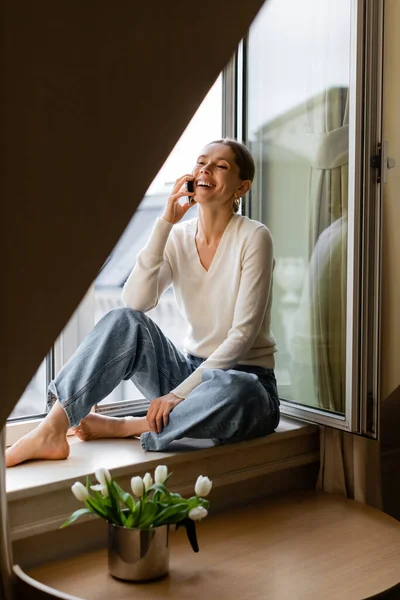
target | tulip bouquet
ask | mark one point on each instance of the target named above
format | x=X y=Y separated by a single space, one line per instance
x=150 y=505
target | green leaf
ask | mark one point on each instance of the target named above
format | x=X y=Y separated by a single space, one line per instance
x=197 y=501
x=75 y=516
x=177 y=517
x=98 y=497
x=149 y=511
x=130 y=521
x=181 y=516
x=126 y=498
x=160 y=490
x=96 y=508
x=175 y=496
x=115 y=508
x=193 y=502
x=171 y=511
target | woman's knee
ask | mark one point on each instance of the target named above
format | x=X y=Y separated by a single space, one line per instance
x=123 y=314
x=235 y=386
x=120 y=323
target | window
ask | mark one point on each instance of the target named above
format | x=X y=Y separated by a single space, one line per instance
x=33 y=400
x=304 y=92
x=105 y=293
x=309 y=92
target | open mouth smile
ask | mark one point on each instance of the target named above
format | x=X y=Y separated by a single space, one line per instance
x=204 y=184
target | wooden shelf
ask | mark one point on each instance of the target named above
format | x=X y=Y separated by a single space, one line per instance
x=305 y=545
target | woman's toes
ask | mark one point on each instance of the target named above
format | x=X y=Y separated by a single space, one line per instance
x=83 y=435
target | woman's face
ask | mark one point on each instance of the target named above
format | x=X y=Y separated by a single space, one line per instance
x=217 y=176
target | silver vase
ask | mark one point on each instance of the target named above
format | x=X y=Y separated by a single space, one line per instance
x=138 y=554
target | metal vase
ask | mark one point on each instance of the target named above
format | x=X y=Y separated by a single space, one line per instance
x=138 y=554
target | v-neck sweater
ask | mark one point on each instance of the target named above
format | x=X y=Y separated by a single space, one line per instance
x=227 y=307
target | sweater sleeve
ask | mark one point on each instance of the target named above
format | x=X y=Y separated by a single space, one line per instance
x=152 y=273
x=251 y=305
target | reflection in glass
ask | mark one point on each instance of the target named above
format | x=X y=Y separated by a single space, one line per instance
x=298 y=80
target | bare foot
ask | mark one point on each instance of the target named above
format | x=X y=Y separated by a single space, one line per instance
x=96 y=426
x=44 y=442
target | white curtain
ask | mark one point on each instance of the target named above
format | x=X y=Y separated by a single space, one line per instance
x=350 y=466
x=319 y=344
x=328 y=239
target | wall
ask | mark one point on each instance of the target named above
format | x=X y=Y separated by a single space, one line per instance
x=390 y=372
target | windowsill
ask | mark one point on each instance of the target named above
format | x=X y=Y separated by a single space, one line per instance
x=119 y=456
x=39 y=494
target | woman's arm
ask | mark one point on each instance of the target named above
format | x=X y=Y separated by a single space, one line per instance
x=250 y=308
x=152 y=273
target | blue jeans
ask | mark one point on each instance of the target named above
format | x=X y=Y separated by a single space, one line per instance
x=228 y=406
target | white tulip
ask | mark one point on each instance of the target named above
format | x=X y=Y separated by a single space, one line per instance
x=80 y=492
x=197 y=513
x=137 y=486
x=147 y=481
x=103 y=476
x=103 y=489
x=160 y=474
x=203 y=486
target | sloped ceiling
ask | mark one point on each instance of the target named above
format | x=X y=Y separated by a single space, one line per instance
x=95 y=96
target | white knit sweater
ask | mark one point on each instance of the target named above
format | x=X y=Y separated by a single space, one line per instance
x=227 y=308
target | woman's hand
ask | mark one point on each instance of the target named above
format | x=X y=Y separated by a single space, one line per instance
x=174 y=211
x=158 y=413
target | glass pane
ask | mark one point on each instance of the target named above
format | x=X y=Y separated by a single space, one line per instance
x=33 y=401
x=205 y=127
x=298 y=82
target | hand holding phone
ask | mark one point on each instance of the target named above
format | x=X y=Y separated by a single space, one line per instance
x=190 y=188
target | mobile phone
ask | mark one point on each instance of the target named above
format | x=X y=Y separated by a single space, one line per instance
x=190 y=188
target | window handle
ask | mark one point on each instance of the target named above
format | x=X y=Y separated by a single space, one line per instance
x=387 y=161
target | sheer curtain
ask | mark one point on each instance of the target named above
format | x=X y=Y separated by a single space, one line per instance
x=319 y=340
x=328 y=240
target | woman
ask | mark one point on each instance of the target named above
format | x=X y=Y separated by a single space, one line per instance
x=223 y=388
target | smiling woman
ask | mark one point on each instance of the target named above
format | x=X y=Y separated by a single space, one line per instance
x=241 y=157
x=223 y=386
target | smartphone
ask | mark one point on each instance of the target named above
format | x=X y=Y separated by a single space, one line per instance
x=190 y=188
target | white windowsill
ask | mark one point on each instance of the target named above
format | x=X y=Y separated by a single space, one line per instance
x=119 y=456
x=15 y=431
